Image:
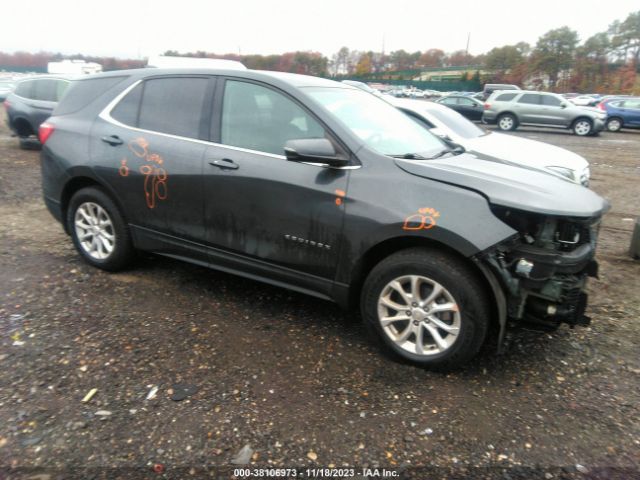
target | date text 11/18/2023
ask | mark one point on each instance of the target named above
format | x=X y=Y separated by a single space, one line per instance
x=314 y=473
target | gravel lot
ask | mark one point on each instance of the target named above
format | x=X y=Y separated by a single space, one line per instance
x=293 y=377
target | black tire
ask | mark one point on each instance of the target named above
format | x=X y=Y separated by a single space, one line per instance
x=614 y=124
x=123 y=251
x=582 y=127
x=507 y=122
x=451 y=273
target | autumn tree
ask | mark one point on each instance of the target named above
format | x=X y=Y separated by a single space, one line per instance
x=625 y=37
x=554 y=52
x=365 y=64
x=434 y=57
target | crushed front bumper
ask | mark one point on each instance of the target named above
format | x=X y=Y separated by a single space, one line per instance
x=544 y=287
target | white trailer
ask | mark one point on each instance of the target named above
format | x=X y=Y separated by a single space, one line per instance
x=74 y=67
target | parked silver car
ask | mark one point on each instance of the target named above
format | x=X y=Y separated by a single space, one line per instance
x=510 y=109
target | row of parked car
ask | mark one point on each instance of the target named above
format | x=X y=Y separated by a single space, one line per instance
x=584 y=114
x=509 y=109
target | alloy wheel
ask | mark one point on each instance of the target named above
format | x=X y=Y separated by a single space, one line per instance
x=583 y=127
x=94 y=230
x=419 y=315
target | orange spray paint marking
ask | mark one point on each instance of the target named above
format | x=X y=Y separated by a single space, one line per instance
x=139 y=147
x=155 y=181
x=155 y=184
x=340 y=194
x=123 y=170
x=425 y=219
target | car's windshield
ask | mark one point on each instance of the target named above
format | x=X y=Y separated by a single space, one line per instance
x=457 y=123
x=381 y=126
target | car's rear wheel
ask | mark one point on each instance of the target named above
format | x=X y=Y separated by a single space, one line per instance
x=98 y=230
x=614 y=124
x=426 y=307
x=583 y=127
x=507 y=122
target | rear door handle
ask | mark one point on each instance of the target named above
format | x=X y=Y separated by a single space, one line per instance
x=225 y=163
x=112 y=140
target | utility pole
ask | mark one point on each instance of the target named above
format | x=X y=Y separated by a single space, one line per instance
x=468 y=38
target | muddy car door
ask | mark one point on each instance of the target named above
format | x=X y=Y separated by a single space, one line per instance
x=279 y=215
x=147 y=147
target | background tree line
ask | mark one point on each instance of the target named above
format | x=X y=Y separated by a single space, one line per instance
x=605 y=62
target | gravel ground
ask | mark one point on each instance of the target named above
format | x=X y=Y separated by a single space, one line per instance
x=292 y=377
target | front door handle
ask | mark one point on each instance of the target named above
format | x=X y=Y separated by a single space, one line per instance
x=225 y=163
x=112 y=140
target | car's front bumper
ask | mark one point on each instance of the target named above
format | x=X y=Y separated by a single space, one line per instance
x=542 y=286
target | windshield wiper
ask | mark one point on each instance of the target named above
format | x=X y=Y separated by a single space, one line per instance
x=410 y=156
x=457 y=150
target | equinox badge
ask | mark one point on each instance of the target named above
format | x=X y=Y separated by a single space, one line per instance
x=304 y=241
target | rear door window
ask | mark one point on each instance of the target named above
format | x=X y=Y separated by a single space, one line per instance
x=530 y=98
x=635 y=104
x=258 y=118
x=173 y=105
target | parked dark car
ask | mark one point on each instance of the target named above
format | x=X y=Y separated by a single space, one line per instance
x=621 y=113
x=489 y=88
x=6 y=87
x=322 y=188
x=466 y=106
x=32 y=102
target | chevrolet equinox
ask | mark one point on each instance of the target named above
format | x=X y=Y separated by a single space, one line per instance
x=322 y=188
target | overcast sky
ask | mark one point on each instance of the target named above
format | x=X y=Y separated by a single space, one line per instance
x=139 y=28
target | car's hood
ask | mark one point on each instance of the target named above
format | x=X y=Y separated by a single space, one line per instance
x=511 y=186
x=522 y=151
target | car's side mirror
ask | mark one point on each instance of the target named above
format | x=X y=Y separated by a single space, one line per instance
x=314 y=150
x=563 y=105
x=438 y=132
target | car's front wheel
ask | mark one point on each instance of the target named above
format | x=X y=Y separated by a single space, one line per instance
x=98 y=230
x=426 y=307
x=583 y=127
x=507 y=122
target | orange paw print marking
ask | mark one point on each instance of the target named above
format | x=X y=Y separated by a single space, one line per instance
x=423 y=220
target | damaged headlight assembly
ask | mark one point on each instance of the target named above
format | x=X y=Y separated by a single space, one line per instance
x=544 y=267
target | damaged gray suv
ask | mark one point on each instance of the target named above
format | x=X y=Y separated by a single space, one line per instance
x=325 y=189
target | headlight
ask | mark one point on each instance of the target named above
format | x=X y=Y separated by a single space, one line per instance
x=565 y=172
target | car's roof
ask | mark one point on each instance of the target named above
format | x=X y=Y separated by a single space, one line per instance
x=292 y=79
x=51 y=76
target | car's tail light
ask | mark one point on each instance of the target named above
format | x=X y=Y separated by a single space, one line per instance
x=602 y=107
x=44 y=132
x=6 y=104
x=487 y=106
